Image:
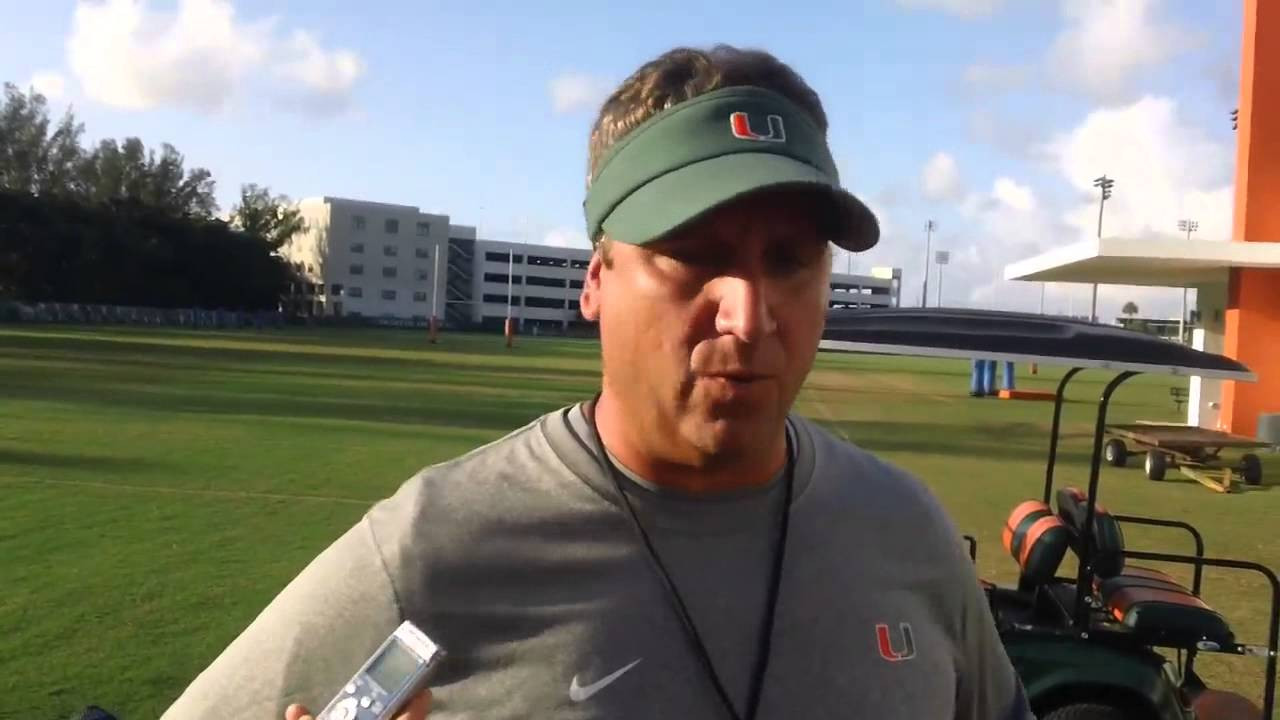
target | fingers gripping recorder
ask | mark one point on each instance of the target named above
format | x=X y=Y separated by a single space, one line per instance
x=392 y=675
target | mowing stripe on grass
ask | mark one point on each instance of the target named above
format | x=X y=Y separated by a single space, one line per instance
x=190 y=491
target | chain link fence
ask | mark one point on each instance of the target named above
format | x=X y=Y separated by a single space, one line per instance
x=87 y=314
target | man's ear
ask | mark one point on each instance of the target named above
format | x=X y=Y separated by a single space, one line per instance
x=589 y=300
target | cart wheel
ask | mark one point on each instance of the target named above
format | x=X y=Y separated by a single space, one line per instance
x=1157 y=463
x=1116 y=453
x=1251 y=469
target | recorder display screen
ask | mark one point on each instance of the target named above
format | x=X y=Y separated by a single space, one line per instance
x=393 y=666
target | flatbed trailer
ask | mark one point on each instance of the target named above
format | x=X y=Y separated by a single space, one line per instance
x=1194 y=451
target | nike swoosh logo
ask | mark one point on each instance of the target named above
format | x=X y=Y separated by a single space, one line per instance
x=579 y=693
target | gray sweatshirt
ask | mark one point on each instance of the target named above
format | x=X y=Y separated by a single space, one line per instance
x=519 y=560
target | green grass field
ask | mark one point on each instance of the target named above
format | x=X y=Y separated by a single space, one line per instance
x=158 y=487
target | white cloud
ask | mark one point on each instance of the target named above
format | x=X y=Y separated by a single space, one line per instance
x=566 y=237
x=1102 y=50
x=200 y=57
x=1107 y=43
x=316 y=78
x=572 y=92
x=49 y=83
x=940 y=179
x=1004 y=224
x=1164 y=168
x=963 y=8
x=1011 y=194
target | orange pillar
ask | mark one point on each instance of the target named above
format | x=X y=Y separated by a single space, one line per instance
x=1253 y=302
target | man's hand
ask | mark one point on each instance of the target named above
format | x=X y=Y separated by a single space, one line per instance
x=417 y=709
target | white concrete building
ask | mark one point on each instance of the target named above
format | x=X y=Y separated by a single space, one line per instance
x=371 y=259
x=882 y=288
x=544 y=285
x=379 y=261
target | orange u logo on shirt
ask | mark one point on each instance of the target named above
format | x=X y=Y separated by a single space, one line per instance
x=885 y=640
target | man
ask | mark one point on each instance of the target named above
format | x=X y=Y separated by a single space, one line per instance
x=682 y=546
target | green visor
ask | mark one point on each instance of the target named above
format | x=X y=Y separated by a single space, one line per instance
x=700 y=154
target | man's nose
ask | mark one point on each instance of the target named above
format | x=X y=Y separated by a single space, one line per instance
x=744 y=308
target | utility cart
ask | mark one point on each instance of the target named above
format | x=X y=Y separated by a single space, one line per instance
x=1118 y=638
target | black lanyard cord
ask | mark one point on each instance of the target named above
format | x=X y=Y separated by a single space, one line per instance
x=765 y=640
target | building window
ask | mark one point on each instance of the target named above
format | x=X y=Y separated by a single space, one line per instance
x=388 y=271
x=424 y=229
x=421 y=274
x=355 y=292
x=357 y=269
x=575 y=284
x=502 y=257
x=319 y=288
x=390 y=250
x=388 y=294
x=335 y=289
x=421 y=253
x=500 y=278
x=544 y=302
x=579 y=264
x=573 y=304
x=357 y=248
x=419 y=296
x=502 y=299
x=392 y=226
x=544 y=281
x=357 y=223
x=548 y=261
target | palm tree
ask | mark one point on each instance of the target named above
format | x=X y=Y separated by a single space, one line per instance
x=1130 y=308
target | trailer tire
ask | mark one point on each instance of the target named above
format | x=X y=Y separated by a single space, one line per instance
x=1116 y=453
x=1251 y=469
x=1156 y=465
x=1087 y=711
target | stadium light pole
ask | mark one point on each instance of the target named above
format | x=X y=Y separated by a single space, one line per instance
x=929 y=227
x=1104 y=184
x=511 y=271
x=1188 y=227
x=939 y=303
x=435 y=290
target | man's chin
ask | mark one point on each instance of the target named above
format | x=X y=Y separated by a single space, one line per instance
x=732 y=436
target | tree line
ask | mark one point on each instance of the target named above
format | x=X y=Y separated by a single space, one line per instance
x=123 y=224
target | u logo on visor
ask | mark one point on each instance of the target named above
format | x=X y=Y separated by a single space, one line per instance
x=740 y=124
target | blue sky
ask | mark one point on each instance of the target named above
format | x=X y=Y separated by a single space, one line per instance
x=989 y=116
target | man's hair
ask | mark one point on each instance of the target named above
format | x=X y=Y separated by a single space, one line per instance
x=685 y=73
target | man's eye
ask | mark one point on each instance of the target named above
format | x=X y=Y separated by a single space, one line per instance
x=789 y=261
x=704 y=258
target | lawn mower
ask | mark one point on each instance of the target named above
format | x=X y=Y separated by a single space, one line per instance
x=1119 y=640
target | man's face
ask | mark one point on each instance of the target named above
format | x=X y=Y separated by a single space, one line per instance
x=709 y=333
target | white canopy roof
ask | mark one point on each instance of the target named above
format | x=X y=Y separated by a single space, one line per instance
x=1125 y=261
